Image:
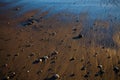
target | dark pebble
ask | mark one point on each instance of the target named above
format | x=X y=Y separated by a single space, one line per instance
x=78 y=37
x=83 y=68
x=72 y=59
x=116 y=69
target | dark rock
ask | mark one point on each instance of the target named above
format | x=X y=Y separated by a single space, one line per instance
x=86 y=76
x=17 y=9
x=16 y=54
x=69 y=46
x=78 y=37
x=52 y=62
x=82 y=60
x=54 y=53
x=100 y=73
x=29 y=22
x=36 y=61
x=28 y=45
x=53 y=34
x=83 y=68
x=39 y=72
x=95 y=54
x=100 y=66
x=109 y=57
x=54 y=77
x=77 y=20
x=72 y=59
x=74 y=29
x=5 y=65
x=116 y=69
x=72 y=75
x=32 y=54
x=44 y=58
x=119 y=62
x=50 y=69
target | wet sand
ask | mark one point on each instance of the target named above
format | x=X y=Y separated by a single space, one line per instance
x=59 y=47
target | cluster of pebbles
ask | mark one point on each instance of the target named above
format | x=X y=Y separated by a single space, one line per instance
x=100 y=72
x=9 y=76
x=45 y=58
x=30 y=21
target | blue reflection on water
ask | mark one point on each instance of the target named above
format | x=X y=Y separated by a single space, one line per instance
x=100 y=9
x=95 y=8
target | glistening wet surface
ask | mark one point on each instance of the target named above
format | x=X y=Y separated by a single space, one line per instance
x=95 y=8
x=58 y=39
x=104 y=13
x=101 y=16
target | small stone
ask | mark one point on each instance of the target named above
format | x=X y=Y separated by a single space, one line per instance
x=7 y=78
x=109 y=57
x=37 y=61
x=72 y=75
x=101 y=72
x=13 y=73
x=54 y=33
x=28 y=45
x=69 y=46
x=29 y=23
x=17 y=54
x=54 y=53
x=77 y=20
x=32 y=54
x=72 y=59
x=40 y=60
x=119 y=62
x=5 y=65
x=82 y=59
x=86 y=76
x=39 y=72
x=116 y=69
x=52 y=62
x=56 y=76
x=28 y=71
x=45 y=57
x=28 y=56
x=95 y=54
x=83 y=68
x=8 y=55
x=103 y=47
x=17 y=9
x=78 y=37
x=50 y=69
x=100 y=66
x=74 y=29
x=22 y=50
x=33 y=21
